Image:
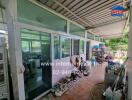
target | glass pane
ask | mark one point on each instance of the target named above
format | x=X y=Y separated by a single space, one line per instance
x=45 y=47
x=45 y=37
x=1 y=73
x=66 y=44
x=81 y=46
x=97 y=38
x=30 y=36
x=25 y=46
x=36 y=47
x=56 y=47
x=76 y=47
x=75 y=30
x=37 y=75
x=35 y=15
x=90 y=36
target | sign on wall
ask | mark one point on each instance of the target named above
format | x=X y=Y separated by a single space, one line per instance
x=117 y=10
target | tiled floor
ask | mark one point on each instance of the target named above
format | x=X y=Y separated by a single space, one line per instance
x=81 y=90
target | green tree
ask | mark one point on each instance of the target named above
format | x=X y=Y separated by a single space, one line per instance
x=118 y=43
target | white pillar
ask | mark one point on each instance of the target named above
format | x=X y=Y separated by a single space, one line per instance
x=15 y=54
x=129 y=64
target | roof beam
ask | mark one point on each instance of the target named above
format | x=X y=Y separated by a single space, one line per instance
x=70 y=6
x=100 y=12
x=101 y=7
x=97 y=14
x=79 y=4
x=40 y=4
x=54 y=6
x=87 y=10
x=62 y=11
x=47 y=3
x=87 y=23
x=84 y=6
x=59 y=8
x=96 y=4
x=108 y=12
x=98 y=20
x=102 y=18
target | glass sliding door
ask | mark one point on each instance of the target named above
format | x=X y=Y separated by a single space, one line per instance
x=46 y=59
x=75 y=47
x=66 y=46
x=87 y=50
x=57 y=47
x=81 y=45
x=35 y=53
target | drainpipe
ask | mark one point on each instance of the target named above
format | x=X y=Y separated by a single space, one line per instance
x=129 y=53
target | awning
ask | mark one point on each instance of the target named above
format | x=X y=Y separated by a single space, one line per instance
x=91 y=14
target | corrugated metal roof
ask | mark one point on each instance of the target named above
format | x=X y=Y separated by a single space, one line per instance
x=88 y=13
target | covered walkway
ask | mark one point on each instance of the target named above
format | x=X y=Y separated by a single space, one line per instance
x=87 y=88
x=43 y=36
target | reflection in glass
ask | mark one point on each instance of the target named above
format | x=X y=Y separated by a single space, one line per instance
x=66 y=44
x=25 y=46
x=56 y=47
x=35 y=15
x=35 y=52
x=81 y=46
x=36 y=46
x=76 y=30
x=76 y=47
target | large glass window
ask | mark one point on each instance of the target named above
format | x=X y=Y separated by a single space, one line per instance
x=25 y=46
x=75 y=30
x=35 y=15
x=66 y=44
x=90 y=36
x=30 y=36
x=36 y=46
x=45 y=46
x=81 y=46
x=56 y=47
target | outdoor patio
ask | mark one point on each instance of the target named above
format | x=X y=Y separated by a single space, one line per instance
x=87 y=88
